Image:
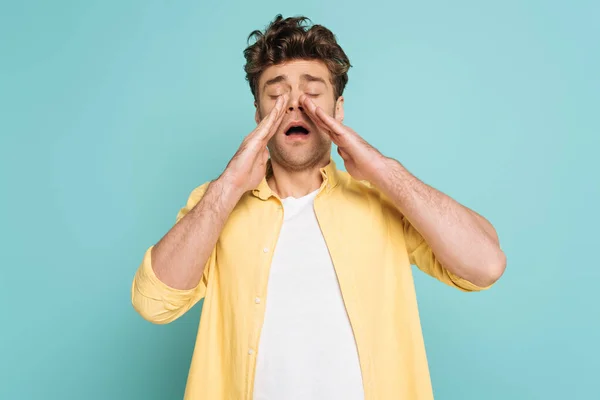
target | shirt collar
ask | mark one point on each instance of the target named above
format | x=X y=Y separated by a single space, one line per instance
x=328 y=172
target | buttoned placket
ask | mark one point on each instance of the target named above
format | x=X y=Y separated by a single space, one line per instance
x=265 y=267
x=266 y=255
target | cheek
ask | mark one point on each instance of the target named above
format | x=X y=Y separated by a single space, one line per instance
x=265 y=108
x=328 y=107
x=325 y=103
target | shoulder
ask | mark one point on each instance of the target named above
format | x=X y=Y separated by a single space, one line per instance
x=366 y=193
x=197 y=193
x=355 y=188
x=193 y=198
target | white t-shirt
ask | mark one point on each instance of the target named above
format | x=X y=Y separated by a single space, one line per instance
x=307 y=349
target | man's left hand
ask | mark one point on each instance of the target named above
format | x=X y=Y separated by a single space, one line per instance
x=362 y=161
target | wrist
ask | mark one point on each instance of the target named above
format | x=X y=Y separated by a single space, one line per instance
x=381 y=171
x=228 y=191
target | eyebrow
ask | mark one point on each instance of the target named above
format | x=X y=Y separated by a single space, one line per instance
x=284 y=78
x=273 y=81
x=311 y=78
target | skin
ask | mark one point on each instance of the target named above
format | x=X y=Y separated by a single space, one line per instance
x=463 y=241
x=301 y=90
x=296 y=162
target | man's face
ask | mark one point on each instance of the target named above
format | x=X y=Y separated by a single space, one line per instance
x=299 y=143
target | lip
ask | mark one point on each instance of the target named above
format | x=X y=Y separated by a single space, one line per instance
x=296 y=123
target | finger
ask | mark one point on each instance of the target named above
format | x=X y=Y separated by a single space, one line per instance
x=308 y=105
x=264 y=156
x=270 y=119
x=276 y=125
x=342 y=154
x=265 y=126
x=333 y=124
x=327 y=122
x=310 y=109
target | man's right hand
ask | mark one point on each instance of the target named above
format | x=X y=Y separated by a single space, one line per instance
x=180 y=257
x=247 y=167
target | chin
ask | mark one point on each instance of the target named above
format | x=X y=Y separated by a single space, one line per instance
x=301 y=161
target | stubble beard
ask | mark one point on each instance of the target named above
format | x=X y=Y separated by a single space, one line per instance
x=293 y=159
x=299 y=159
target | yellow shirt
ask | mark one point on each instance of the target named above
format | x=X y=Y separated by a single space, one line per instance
x=372 y=247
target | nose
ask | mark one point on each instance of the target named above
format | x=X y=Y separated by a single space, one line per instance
x=294 y=103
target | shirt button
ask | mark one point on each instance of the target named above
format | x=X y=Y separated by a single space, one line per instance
x=266 y=250
x=250 y=351
x=257 y=300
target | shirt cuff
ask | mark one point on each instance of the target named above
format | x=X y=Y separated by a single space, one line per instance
x=465 y=285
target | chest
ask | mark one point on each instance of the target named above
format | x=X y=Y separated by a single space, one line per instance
x=353 y=237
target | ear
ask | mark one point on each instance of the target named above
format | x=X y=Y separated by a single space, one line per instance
x=339 y=109
x=256 y=113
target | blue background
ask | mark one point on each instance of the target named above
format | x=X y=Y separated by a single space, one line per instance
x=112 y=112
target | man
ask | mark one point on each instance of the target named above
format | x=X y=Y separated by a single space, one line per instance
x=306 y=269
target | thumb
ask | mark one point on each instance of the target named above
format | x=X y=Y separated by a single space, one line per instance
x=264 y=157
x=342 y=154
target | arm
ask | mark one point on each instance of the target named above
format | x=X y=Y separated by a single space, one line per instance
x=464 y=242
x=173 y=274
x=459 y=241
x=179 y=258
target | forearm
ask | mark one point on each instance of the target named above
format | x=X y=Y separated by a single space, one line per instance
x=463 y=241
x=178 y=259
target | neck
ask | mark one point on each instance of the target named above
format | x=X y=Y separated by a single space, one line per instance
x=286 y=183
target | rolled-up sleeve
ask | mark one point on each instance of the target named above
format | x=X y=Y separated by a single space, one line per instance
x=154 y=300
x=421 y=255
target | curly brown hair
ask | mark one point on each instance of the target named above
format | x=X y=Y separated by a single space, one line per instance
x=290 y=39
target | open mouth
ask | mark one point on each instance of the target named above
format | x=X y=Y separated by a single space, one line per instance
x=296 y=130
